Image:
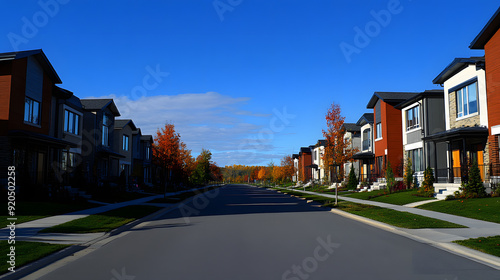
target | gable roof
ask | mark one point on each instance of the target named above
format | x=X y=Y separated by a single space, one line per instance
x=487 y=32
x=99 y=104
x=420 y=96
x=305 y=150
x=391 y=98
x=40 y=56
x=119 y=124
x=352 y=127
x=365 y=118
x=457 y=65
x=148 y=138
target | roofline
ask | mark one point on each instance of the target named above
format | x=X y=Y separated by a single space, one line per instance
x=111 y=101
x=40 y=55
x=373 y=101
x=457 y=65
x=487 y=32
x=128 y=121
x=425 y=94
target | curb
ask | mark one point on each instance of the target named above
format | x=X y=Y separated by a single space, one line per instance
x=52 y=259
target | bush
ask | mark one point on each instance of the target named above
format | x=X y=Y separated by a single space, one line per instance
x=473 y=187
x=450 y=197
x=353 y=181
x=427 y=188
x=408 y=178
x=389 y=177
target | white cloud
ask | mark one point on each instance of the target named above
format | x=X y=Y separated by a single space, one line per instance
x=204 y=120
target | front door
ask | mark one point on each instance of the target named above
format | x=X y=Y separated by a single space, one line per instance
x=456 y=164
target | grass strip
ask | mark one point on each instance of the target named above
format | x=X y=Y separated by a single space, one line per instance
x=384 y=215
x=27 y=252
x=29 y=211
x=488 y=245
x=393 y=217
x=486 y=209
x=104 y=222
x=397 y=198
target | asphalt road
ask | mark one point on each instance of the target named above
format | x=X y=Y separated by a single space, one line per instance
x=243 y=232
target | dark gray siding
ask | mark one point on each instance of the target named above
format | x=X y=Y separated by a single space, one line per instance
x=378 y=117
x=435 y=116
x=413 y=137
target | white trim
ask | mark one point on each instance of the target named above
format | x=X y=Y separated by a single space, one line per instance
x=467 y=116
x=414 y=129
x=378 y=139
x=413 y=146
x=495 y=130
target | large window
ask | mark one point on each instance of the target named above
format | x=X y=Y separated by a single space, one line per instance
x=413 y=118
x=467 y=100
x=71 y=122
x=147 y=152
x=105 y=130
x=125 y=143
x=31 y=111
x=68 y=160
x=379 y=131
x=417 y=160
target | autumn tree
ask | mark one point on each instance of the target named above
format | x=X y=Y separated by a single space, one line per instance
x=171 y=154
x=288 y=168
x=338 y=150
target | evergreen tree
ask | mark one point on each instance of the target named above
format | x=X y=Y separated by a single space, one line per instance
x=474 y=186
x=353 y=181
x=427 y=188
x=408 y=174
x=389 y=177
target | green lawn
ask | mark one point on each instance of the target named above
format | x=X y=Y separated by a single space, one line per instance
x=28 y=211
x=398 y=198
x=488 y=245
x=104 y=222
x=27 y=252
x=486 y=209
x=388 y=216
x=393 y=217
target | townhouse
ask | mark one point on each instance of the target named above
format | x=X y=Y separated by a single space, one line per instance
x=352 y=136
x=305 y=162
x=295 y=177
x=54 y=139
x=366 y=155
x=422 y=116
x=466 y=118
x=488 y=40
x=388 y=139
x=318 y=168
x=142 y=156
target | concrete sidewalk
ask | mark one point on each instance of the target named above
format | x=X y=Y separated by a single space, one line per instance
x=29 y=231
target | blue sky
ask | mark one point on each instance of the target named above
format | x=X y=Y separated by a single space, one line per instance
x=249 y=80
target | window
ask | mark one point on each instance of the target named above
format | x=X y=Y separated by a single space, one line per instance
x=417 y=161
x=105 y=130
x=147 y=152
x=380 y=165
x=379 y=130
x=367 y=139
x=413 y=118
x=71 y=122
x=467 y=100
x=31 y=111
x=68 y=160
x=125 y=143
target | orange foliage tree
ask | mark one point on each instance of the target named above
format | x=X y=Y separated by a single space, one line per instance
x=337 y=150
x=171 y=154
x=288 y=169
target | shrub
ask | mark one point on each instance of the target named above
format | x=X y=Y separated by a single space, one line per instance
x=450 y=197
x=389 y=177
x=473 y=187
x=353 y=181
x=427 y=188
x=408 y=178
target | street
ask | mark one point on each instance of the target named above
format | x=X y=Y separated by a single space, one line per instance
x=244 y=232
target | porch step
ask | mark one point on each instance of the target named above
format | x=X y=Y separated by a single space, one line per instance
x=443 y=190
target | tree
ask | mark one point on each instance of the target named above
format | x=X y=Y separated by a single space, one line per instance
x=262 y=174
x=427 y=188
x=408 y=174
x=202 y=172
x=389 y=177
x=288 y=168
x=474 y=186
x=353 y=181
x=171 y=154
x=338 y=150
